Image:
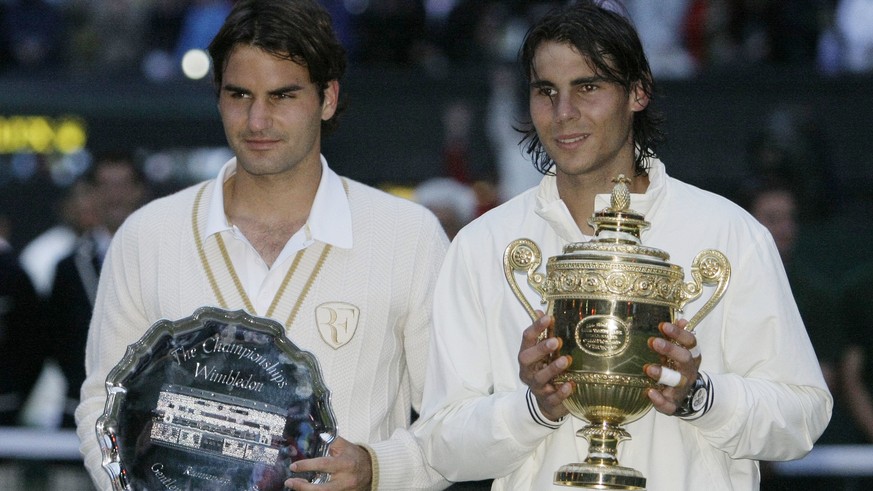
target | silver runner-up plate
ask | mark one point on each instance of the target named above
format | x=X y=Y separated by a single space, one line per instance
x=219 y=400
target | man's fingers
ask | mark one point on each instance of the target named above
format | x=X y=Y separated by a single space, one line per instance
x=553 y=369
x=317 y=464
x=670 y=350
x=539 y=353
x=557 y=396
x=534 y=332
x=680 y=336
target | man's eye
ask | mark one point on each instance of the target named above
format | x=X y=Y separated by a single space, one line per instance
x=547 y=91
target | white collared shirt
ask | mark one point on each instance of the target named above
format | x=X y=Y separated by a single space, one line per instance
x=330 y=221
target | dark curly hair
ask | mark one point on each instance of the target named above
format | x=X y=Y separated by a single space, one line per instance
x=610 y=41
x=297 y=30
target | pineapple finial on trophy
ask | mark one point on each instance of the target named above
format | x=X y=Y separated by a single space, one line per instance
x=620 y=199
x=618 y=222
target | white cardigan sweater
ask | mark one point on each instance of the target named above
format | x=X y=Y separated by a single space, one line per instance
x=153 y=272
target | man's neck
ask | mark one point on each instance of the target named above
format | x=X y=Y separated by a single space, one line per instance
x=269 y=210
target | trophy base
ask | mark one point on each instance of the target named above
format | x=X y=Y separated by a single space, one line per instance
x=595 y=476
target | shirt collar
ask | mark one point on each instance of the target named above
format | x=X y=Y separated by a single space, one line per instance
x=330 y=219
x=551 y=208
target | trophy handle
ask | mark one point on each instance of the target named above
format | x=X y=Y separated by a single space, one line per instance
x=523 y=255
x=710 y=267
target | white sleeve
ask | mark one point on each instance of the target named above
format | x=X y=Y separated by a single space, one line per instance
x=467 y=414
x=770 y=401
x=118 y=321
x=398 y=462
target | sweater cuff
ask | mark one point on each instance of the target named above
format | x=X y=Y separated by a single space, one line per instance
x=374 y=467
x=725 y=393
x=520 y=417
x=534 y=409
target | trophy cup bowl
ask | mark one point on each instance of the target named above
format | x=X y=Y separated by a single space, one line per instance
x=607 y=297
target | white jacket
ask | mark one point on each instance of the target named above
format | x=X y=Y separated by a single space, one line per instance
x=770 y=400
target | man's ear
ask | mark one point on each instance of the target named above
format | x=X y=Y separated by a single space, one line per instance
x=331 y=98
x=639 y=98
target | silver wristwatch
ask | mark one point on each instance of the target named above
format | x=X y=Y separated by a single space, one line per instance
x=697 y=400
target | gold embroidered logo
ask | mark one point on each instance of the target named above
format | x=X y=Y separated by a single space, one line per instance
x=337 y=322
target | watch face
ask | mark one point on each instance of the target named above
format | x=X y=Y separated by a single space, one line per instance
x=699 y=399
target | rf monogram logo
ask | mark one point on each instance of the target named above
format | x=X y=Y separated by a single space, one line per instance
x=337 y=322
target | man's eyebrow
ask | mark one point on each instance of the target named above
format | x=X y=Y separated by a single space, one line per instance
x=587 y=80
x=234 y=88
x=280 y=90
x=286 y=89
x=536 y=84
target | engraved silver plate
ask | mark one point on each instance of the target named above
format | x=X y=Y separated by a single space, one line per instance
x=219 y=400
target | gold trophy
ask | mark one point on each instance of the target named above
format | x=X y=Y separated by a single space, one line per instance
x=608 y=297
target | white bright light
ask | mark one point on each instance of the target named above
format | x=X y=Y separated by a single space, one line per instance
x=195 y=64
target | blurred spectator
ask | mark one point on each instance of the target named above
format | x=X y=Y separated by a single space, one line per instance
x=660 y=28
x=473 y=31
x=775 y=205
x=457 y=122
x=855 y=312
x=107 y=35
x=857 y=364
x=21 y=331
x=164 y=23
x=464 y=157
x=177 y=27
x=78 y=213
x=515 y=171
x=343 y=24
x=34 y=33
x=119 y=189
x=30 y=196
x=201 y=21
x=391 y=32
x=479 y=32
x=795 y=28
x=829 y=52
x=163 y=26
x=682 y=36
x=738 y=33
x=854 y=26
x=454 y=203
x=793 y=147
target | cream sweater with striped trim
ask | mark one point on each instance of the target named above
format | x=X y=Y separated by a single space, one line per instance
x=153 y=271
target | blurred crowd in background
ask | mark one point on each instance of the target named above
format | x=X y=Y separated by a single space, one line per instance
x=682 y=37
x=51 y=260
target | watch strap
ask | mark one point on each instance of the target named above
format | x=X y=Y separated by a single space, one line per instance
x=699 y=398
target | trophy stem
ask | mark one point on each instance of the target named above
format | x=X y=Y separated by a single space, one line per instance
x=600 y=469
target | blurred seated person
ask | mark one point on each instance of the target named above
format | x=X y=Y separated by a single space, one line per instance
x=454 y=203
x=775 y=204
x=119 y=189
x=856 y=367
x=77 y=213
x=20 y=331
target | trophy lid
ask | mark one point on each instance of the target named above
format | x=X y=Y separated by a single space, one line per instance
x=617 y=228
